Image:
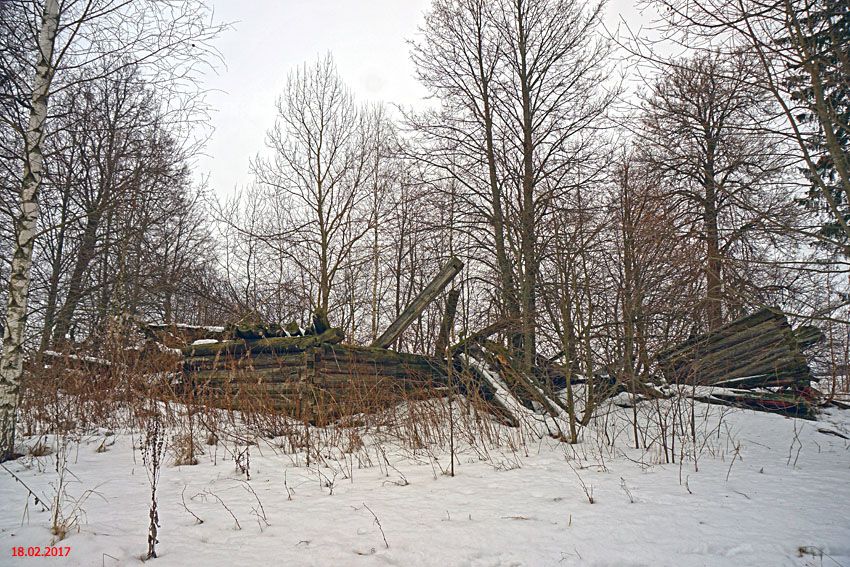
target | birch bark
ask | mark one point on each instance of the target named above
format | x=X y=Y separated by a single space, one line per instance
x=26 y=221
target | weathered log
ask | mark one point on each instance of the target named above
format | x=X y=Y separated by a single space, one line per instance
x=425 y=297
x=270 y=345
x=728 y=330
x=447 y=323
x=524 y=387
x=347 y=353
x=486 y=392
x=320 y=321
x=746 y=339
x=771 y=402
x=293 y=329
x=254 y=331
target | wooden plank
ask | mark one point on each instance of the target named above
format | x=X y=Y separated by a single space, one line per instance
x=447 y=323
x=425 y=297
x=760 y=346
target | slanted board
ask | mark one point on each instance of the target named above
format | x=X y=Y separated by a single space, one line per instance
x=760 y=347
x=425 y=297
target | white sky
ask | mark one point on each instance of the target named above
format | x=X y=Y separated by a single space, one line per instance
x=271 y=37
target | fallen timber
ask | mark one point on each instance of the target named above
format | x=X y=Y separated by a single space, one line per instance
x=759 y=350
x=754 y=362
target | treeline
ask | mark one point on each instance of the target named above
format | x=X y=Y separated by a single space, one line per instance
x=600 y=222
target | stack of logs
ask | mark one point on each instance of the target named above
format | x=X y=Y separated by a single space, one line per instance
x=307 y=374
x=744 y=359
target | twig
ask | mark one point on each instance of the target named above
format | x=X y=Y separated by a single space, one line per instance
x=220 y=501
x=261 y=513
x=735 y=456
x=588 y=491
x=831 y=432
x=377 y=521
x=626 y=490
x=183 y=498
x=45 y=507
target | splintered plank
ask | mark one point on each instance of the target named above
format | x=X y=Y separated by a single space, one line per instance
x=754 y=351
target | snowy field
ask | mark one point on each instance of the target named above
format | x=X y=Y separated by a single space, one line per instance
x=768 y=491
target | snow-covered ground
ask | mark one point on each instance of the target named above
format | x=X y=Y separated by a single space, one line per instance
x=768 y=491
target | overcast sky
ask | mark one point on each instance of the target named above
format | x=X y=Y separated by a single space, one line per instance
x=270 y=37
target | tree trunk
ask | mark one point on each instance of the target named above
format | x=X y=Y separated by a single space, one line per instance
x=497 y=219
x=714 y=285
x=81 y=266
x=527 y=213
x=447 y=324
x=11 y=364
x=55 y=274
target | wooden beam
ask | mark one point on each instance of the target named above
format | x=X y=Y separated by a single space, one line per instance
x=418 y=305
x=492 y=329
x=447 y=323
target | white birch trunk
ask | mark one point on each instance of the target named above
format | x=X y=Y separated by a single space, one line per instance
x=11 y=361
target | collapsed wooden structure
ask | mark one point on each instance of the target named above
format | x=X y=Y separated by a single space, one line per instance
x=311 y=378
x=308 y=373
x=755 y=362
x=759 y=350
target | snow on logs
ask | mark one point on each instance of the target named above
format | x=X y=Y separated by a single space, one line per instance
x=311 y=376
x=258 y=345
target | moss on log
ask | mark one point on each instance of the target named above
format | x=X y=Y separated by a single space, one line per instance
x=268 y=345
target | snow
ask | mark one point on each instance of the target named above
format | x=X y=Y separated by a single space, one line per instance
x=95 y=360
x=204 y=342
x=769 y=490
x=210 y=328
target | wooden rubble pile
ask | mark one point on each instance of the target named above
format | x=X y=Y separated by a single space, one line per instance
x=306 y=373
x=754 y=362
x=309 y=374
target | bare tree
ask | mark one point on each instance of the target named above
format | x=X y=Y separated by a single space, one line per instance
x=457 y=59
x=801 y=55
x=319 y=172
x=701 y=131
x=523 y=86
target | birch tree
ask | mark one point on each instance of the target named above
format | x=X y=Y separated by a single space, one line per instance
x=26 y=221
x=169 y=38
